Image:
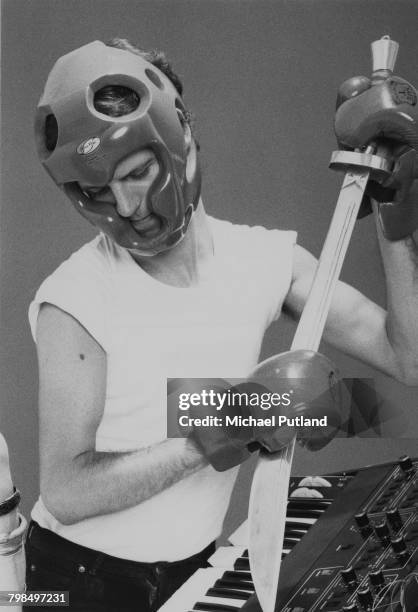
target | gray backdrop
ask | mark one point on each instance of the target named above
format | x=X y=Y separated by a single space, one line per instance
x=261 y=77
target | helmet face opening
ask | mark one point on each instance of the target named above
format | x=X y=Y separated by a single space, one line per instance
x=78 y=143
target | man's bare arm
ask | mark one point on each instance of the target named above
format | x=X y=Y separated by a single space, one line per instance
x=77 y=482
x=8 y=522
x=388 y=341
x=400 y=262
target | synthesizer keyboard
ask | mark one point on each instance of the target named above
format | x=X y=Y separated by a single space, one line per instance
x=352 y=550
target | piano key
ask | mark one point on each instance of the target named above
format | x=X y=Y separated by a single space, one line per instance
x=303 y=503
x=242 y=563
x=305 y=492
x=235 y=582
x=302 y=513
x=239 y=575
x=208 y=607
x=225 y=556
x=295 y=532
x=228 y=593
x=290 y=543
x=295 y=525
x=193 y=590
x=314 y=481
x=219 y=599
x=305 y=522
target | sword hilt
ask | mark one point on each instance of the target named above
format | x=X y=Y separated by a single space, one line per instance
x=384 y=54
x=376 y=157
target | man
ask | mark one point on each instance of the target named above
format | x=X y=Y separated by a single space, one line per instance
x=126 y=515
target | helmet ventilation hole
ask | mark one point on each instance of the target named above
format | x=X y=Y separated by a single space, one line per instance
x=154 y=78
x=50 y=132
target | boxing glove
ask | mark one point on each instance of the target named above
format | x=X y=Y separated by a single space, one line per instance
x=290 y=390
x=384 y=113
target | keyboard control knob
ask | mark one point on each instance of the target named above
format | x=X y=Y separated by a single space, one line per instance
x=377 y=579
x=399 y=546
x=382 y=531
x=365 y=598
x=406 y=465
x=349 y=576
x=362 y=520
x=350 y=607
x=394 y=518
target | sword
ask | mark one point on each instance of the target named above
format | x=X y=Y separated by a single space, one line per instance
x=268 y=497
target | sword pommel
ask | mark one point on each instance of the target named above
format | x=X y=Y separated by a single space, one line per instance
x=384 y=54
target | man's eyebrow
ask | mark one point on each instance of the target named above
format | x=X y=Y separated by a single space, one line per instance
x=142 y=165
x=138 y=167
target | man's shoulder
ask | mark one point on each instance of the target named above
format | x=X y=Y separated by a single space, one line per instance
x=100 y=249
x=80 y=287
x=252 y=236
x=93 y=255
x=89 y=262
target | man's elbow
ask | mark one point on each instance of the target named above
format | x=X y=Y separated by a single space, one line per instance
x=58 y=501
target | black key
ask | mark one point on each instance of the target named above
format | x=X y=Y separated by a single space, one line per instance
x=230 y=583
x=298 y=525
x=295 y=531
x=213 y=607
x=308 y=503
x=238 y=579
x=290 y=543
x=301 y=513
x=227 y=593
x=240 y=575
x=242 y=563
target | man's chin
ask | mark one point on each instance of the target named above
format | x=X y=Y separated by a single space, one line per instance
x=151 y=239
x=149 y=233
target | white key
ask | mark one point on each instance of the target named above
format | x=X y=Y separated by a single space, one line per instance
x=314 y=481
x=194 y=590
x=189 y=593
x=305 y=492
x=298 y=521
x=225 y=556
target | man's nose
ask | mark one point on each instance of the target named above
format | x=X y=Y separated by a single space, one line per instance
x=127 y=201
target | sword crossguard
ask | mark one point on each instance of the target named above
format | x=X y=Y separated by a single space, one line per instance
x=345 y=161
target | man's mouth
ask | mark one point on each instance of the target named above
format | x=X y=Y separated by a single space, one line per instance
x=150 y=224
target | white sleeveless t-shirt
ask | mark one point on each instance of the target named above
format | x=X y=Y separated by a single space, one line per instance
x=151 y=331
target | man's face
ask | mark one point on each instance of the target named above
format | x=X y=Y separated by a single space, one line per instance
x=128 y=191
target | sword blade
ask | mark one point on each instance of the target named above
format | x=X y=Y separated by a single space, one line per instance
x=269 y=489
x=312 y=321
x=268 y=501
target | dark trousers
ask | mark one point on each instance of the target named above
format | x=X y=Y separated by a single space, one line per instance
x=101 y=583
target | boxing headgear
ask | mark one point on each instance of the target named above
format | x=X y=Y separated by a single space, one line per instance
x=90 y=144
